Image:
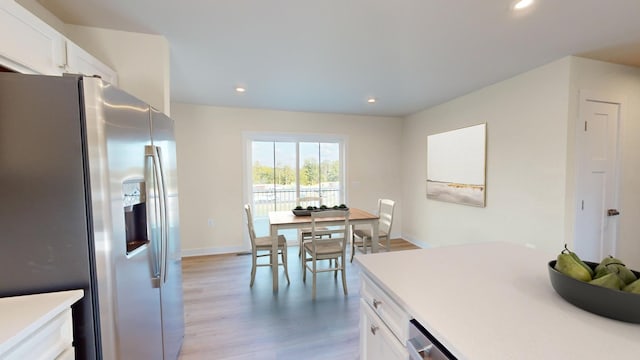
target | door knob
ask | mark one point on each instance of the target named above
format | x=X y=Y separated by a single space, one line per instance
x=613 y=212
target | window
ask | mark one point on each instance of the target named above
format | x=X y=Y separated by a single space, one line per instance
x=284 y=168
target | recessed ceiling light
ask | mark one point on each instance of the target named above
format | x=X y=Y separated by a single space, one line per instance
x=240 y=89
x=522 y=4
x=371 y=100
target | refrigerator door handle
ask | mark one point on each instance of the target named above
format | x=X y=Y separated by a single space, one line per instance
x=164 y=217
x=151 y=175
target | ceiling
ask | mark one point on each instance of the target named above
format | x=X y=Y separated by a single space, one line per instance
x=332 y=55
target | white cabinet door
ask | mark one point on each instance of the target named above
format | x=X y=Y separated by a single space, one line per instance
x=81 y=62
x=377 y=342
x=31 y=46
x=28 y=44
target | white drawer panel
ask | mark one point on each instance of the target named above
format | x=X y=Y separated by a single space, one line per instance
x=47 y=342
x=386 y=308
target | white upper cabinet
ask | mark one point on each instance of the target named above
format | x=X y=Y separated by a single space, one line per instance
x=28 y=44
x=81 y=62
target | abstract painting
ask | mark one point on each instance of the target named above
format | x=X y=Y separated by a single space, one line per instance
x=456 y=166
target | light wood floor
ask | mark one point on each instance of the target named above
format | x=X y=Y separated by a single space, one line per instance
x=226 y=319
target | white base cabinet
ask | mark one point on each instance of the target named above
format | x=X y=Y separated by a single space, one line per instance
x=384 y=325
x=38 y=326
x=377 y=342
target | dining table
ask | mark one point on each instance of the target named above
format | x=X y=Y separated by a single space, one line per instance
x=279 y=220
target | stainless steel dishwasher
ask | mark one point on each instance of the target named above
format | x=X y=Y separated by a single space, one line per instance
x=423 y=346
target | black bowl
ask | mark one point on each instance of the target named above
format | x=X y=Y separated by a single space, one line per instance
x=301 y=212
x=614 y=304
x=305 y=212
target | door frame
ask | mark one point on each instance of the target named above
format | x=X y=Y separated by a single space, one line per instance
x=579 y=161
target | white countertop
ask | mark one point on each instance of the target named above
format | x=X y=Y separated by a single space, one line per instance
x=495 y=301
x=20 y=315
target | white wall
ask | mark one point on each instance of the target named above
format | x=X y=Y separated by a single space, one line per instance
x=526 y=120
x=45 y=15
x=141 y=60
x=531 y=122
x=621 y=82
x=210 y=166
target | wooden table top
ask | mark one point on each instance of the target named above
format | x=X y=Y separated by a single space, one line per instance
x=288 y=217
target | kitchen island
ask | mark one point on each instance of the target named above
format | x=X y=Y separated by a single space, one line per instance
x=495 y=301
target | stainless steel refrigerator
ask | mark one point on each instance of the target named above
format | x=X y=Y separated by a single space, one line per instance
x=88 y=199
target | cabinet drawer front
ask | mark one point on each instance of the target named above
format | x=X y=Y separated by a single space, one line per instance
x=46 y=342
x=386 y=308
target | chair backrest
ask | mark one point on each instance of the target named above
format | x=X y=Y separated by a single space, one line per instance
x=252 y=232
x=385 y=212
x=338 y=232
x=309 y=201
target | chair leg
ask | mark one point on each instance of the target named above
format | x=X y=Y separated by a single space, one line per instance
x=344 y=276
x=353 y=247
x=300 y=245
x=304 y=265
x=313 y=292
x=283 y=254
x=253 y=268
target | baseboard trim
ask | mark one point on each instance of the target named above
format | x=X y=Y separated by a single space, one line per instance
x=214 y=251
x=224 y=250
x=416 y=242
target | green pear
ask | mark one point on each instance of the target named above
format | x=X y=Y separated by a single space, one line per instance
x=577 y=258
x=625 y=274
x=613 y=265
x=634 y=287
x=611 y=281
x=608 y=260
x=567 y=265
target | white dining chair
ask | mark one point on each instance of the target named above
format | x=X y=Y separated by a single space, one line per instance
x=305 y=233
x=322 y=247
x=262 y=246
x=361 y=238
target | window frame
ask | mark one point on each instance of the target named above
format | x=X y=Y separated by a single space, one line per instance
x=250 y=137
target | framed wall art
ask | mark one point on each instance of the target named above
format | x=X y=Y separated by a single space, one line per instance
x=456 y=163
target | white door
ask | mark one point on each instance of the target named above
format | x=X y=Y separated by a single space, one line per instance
x=597 y=152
